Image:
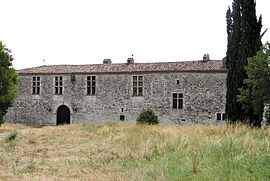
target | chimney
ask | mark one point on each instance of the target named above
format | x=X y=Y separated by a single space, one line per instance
x=107 y=61
x=130 y=61
x=206 y=57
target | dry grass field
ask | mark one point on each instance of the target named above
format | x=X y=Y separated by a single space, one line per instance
x=130 y=152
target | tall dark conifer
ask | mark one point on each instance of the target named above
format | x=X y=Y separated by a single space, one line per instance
x=244 y=41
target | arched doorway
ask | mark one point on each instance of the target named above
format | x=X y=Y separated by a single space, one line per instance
x=63 y=115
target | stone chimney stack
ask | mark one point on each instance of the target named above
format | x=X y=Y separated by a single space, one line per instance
x=206 y=57
x=107 y=61
x=130 y=61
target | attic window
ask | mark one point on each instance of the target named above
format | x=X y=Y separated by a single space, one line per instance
x=73 y=79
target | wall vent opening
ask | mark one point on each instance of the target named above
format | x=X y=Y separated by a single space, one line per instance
x=73 y=78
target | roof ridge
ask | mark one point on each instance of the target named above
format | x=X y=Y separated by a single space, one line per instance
x=211 y=65
x=116 y=64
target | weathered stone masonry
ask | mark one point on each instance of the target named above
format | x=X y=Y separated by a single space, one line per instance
x=203 y=85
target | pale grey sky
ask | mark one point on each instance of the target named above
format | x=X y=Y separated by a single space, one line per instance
x=88 y=31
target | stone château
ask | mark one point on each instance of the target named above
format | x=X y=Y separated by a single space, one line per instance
x=179 y=93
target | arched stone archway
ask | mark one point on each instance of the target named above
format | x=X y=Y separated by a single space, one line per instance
x=63 y=115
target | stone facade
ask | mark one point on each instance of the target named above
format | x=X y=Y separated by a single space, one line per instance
x=203 y=94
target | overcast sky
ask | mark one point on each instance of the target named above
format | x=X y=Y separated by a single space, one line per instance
x=88 y=31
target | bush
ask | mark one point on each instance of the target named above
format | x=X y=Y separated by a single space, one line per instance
x=147 y=117
x=12 y=135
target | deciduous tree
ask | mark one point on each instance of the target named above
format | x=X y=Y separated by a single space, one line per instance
x=8 y=81
x=256 y=93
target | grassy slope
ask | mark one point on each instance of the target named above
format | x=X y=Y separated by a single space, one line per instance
x=130 y=152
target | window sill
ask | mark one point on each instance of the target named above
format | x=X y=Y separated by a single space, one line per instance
x=177 y=111
x=137 y=99
x=36 y=96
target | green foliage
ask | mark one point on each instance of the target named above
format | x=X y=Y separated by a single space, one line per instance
x=244 y=40
x=12 y=135
x=147 y=117
x=255 y=94
x=8 y=81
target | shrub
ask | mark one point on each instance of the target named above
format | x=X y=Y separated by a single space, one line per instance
x=12 y=135
x=147 y=117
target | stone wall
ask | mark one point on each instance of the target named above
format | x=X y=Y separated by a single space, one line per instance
x=204 y=97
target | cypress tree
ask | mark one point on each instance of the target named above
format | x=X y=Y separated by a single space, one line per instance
x=244 y=41
x=233 y=30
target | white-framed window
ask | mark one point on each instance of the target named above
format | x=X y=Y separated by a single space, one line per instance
x=177 y=100
x=91 y=85
x=58 y=85
x=36 y=85
x=137 y=86
x=220 y=116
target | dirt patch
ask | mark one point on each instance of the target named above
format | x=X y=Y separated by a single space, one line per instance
x=4 y=130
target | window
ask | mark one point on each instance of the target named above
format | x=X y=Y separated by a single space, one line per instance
x=178 y=100
x=91 y=85
x=122 y=118
x=137 y=86
x=220 y=116
x=58 y=85
x=36 y=86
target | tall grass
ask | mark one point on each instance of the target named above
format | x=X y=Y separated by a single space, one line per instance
x=135 y=152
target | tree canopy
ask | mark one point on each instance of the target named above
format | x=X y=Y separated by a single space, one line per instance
x=256 y=95
x=244 y=40
x=8 y=81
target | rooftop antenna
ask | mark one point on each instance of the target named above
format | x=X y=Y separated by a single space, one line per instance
x=44 y=62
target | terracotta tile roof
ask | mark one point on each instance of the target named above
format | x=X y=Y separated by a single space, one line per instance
x=188 y=66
